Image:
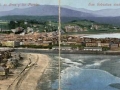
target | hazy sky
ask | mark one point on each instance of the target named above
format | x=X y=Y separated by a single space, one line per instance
x=88 y=4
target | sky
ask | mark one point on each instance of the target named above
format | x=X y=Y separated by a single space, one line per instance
x=87 y=4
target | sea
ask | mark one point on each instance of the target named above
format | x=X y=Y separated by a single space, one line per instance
x=85 y=72
x=110 y=35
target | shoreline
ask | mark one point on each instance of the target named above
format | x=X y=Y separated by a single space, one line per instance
x=45 y=71
x=47 y=51
x=99 y=63
x=35 y=73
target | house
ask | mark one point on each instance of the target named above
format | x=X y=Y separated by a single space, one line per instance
x=114 y=46
x=94 y=26
x=85 y=29
x=29 y=29
x=10 y=43
x=25 y=22
x=71 y=28
x=61 y=48
x=18 y=30
x=71 y=43
x=93 y=49
x=91 y=44
x=105 y=45
x=28 y=43
x=2 y=71
x=46 y=43
x=87 y=39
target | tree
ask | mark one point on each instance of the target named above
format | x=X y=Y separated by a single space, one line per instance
x=11 y=25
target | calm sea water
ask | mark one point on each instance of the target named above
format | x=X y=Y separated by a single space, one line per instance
x=112 y=35
x=88 y=72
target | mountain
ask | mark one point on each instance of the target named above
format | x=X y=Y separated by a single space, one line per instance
x=66 y=11
x=78 y=9
x=50 y=12
x=103 y=12
x=108 y=12
x=46 y=10
x=100 y=13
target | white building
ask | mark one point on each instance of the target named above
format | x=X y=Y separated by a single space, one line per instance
x=62 y=48
x=93 y=49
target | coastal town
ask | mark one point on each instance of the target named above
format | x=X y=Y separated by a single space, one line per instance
x=50 y=41
x=59 y=45
x=29 y=38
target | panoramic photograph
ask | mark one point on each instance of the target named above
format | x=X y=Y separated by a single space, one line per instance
x=60 y=45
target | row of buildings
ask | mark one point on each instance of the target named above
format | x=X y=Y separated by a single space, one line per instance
x=51 y=39
x=76 y=28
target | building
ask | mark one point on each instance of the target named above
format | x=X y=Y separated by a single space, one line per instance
x=18 y=30
x=104 y=44
x=2 y=71
x=71 y=28
x=62 y=48
x=87 y=39
x=91 y=44
x=114 y=46
x=10 y=43
x=71 y=43
x=93 y=49
x=94 y=26
x=46 y=43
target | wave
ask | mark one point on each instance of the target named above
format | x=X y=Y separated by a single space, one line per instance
x=96 y=64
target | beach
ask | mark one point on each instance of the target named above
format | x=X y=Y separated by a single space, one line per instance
x=77 y=70
x=28 y=79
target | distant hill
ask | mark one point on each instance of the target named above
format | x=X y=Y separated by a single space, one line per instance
x=102 y=20
x=100 y=13
x=66 y=11
x=78 y=9
x=50 y=12
x=46 y=10
x=108 y=12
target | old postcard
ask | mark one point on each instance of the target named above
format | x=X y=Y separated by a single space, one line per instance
x=60 y=45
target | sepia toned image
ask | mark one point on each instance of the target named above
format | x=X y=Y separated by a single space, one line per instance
x=60 y=45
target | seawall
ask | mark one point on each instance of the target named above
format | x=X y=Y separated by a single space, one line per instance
x=40 y=51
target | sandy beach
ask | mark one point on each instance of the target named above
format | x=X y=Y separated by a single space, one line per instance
x=29 y=78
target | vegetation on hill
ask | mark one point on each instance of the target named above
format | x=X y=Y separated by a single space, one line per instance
x=45 y=24
x=104 y=20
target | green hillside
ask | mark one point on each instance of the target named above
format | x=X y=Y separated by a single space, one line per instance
x=48 y=25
